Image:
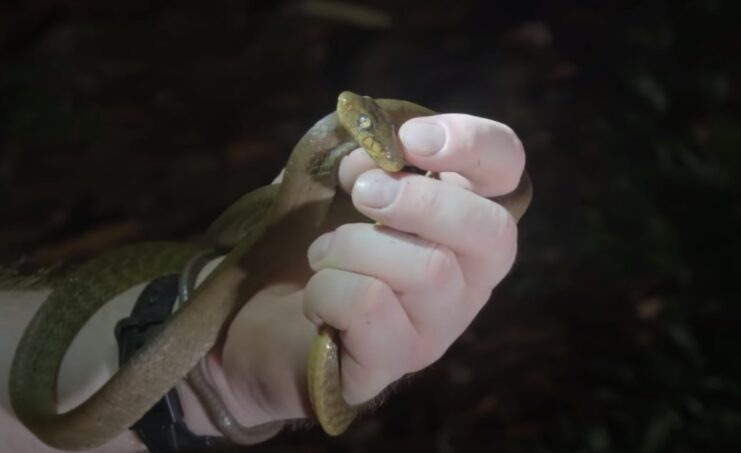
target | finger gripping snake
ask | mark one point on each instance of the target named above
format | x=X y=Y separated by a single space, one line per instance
x=262 y=230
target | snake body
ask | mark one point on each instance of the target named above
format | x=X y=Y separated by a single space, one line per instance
x=289 y=217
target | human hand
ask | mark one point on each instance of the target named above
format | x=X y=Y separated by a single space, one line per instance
x=399 y=294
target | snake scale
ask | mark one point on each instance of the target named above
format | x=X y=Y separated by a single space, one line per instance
x=259 y=230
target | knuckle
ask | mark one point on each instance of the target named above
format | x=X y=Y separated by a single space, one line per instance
x=509 y=132
x=373 y=293
x=426 y=353
x=426 y=200
x=511 y=136
x=347 y=231
x=497 y=224
x=516 y=160
x=440 y=266
x=344 y=239
x=314 y=303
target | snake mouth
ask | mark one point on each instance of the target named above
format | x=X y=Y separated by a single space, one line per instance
x=389 y=165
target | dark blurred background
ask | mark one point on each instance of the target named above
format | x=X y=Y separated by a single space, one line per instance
x=618 y=329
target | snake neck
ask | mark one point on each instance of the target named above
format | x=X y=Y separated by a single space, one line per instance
x=323 y=166
x=311 y=174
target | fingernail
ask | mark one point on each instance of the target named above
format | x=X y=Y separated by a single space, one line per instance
x=319 y=248
x=422 y=137
x=375 y=189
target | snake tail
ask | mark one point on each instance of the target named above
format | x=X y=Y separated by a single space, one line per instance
x=325 y=349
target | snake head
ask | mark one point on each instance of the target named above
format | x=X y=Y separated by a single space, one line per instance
x=372 y=128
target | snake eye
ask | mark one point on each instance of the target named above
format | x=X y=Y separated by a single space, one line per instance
x=364 y=122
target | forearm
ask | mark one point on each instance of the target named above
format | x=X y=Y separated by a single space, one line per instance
x=90 y=361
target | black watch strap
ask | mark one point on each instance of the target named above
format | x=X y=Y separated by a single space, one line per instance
x=162 y=428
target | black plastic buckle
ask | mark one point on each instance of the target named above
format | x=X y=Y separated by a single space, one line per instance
x=162 y=428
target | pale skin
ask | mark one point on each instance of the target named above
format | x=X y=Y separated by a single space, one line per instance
x=400 y=294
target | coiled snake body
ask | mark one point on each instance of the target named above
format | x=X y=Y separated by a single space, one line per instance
x=260 y=229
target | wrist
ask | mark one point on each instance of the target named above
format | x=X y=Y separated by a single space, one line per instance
x=195 y=415
x=261 y=370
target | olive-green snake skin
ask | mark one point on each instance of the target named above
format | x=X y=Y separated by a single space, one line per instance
x=262 y=230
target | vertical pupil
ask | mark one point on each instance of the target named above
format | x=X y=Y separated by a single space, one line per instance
x=364 y=122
